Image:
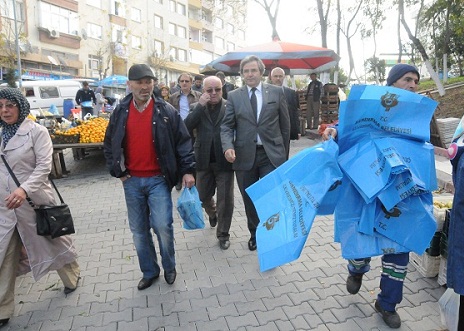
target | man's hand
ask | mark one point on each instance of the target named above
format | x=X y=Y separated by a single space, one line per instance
x=328 y=133
x=230 y=155
x=188 y=180
x=204 y=99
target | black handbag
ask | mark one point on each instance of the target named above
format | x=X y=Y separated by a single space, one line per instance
x=54 y=221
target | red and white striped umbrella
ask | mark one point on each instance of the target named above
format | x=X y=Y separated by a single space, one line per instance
x=277 y=54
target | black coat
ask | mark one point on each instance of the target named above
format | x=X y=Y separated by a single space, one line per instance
x=85 y=95
x=317 y=90
x=208 y=137
x=293 y=104
x=172 y=141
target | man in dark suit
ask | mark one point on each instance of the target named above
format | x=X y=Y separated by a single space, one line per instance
x=255 y=133
x=226 y=86
x=293 y=102
x=213 y=172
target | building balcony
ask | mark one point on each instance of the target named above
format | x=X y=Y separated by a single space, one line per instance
x=195 y=24
x=196 y=45
x=195 y=3
x=118 y=20
x=59 y=38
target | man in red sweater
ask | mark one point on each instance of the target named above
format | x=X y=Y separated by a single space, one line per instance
x=148 y=147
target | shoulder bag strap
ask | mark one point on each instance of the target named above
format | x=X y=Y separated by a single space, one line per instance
x=18 y=184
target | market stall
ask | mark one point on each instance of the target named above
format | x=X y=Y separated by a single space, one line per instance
x=76 y=134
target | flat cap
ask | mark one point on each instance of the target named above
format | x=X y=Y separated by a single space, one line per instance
x=139 y=71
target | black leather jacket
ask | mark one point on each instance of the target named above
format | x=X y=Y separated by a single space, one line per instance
x=317 y=91
x=172 y=141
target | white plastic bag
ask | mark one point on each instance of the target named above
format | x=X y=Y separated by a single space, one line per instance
x=449 y=309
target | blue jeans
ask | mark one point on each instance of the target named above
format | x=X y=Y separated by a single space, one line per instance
x=149 y=206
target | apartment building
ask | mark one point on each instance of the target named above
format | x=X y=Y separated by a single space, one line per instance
x=97 y=38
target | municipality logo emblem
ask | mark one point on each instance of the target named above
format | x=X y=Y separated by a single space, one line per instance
x=389 y=100
x=271 y=221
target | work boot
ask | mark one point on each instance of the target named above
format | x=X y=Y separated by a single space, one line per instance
x=391 y=318
x=353 y=283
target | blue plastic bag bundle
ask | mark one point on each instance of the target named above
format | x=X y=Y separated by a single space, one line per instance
x=385 y=109
x=190 y=210
x=387 y=206
x=354 y=243
x=410 y=222
x=390 y=168
x=287 y=201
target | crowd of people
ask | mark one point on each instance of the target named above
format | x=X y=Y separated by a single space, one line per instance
x=198 y=131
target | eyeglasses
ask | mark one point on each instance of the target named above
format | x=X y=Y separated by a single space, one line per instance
x=217 y=90
x=8 y=106
x=184 y=81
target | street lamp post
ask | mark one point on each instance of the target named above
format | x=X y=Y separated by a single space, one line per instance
x=18 y=53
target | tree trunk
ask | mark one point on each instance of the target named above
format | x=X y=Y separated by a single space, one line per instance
x=421 y=49
x=400 y=44
x=348 y=42
x=339 y=19
x=322 y=22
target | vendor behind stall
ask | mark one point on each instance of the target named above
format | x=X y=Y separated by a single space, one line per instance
x=84 y=97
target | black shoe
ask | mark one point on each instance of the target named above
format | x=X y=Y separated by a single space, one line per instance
x=252 y=244
x=353 y=283
x=213 y=221
x=170 y=276
x=68 y=290
x=224 y=244
x=391 y=318
x=4 y=322
x=146 y=282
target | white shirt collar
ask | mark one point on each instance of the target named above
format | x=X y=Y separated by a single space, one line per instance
x=259 y=88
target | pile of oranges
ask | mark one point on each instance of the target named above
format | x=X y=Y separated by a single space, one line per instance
x=91 y=131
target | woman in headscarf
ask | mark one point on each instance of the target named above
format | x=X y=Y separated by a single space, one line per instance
x=27 y=148
x=101 y=101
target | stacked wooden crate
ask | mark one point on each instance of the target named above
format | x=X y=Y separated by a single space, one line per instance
x=302 y=100
x=329 y=104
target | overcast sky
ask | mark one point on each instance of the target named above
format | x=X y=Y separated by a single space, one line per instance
x=294 y=18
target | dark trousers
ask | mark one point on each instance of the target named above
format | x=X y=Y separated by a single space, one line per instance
x=86 y=110
x=214 y=180
x=394 y=269
x=261 y=167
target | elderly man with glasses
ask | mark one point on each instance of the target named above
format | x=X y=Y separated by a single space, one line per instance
x=214 y=173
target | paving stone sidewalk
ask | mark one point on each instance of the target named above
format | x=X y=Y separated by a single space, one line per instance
x=215 y=289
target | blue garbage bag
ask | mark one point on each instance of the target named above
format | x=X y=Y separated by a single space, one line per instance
x=52 y=109
x=86 y=104
x=356 y=244
x=287 y=201
x=190 y=210
x=370 y=168
x=390 y=168
x=386 y=109
x=410 y=222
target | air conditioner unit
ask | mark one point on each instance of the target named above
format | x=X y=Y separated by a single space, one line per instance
x=54 y=34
